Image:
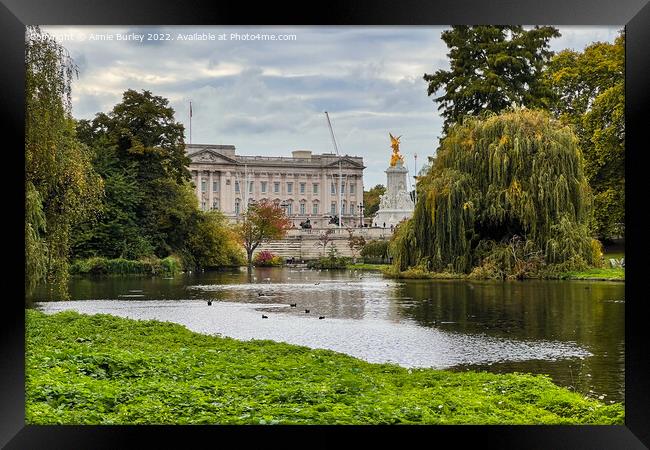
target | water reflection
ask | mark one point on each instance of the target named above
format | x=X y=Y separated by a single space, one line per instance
x=573 y=331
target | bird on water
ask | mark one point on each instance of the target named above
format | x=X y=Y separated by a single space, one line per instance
x=209 y=302
x=293 y=305
x=321 y=317
x=264 y=317
x=307 y=311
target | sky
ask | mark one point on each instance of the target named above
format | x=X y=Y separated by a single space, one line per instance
x=268 y=97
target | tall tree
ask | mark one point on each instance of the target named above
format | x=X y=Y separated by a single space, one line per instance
x=140 y=152
x=501 y=189
x=590 y=95
x=492 y=67
x=262 y=221
x=61 y=186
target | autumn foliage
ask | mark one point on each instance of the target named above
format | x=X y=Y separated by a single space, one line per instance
x=263 y=221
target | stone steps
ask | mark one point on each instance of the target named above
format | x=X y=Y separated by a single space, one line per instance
x=304 y=247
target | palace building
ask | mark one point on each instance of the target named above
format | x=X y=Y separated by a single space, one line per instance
x=305 y=184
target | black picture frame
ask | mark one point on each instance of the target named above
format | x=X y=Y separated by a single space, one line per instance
x=16 y=14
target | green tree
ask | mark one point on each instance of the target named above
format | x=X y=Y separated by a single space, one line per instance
x=60 y=184
x=262 y=221
x=150 y=207
x=213 y=242
x=590 y=95
x=502 y=190
x=371 y=199
x=375 y=251
x=492 y=67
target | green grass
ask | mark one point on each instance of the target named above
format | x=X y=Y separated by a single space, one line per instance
x=366 y=266
x=595 y=274
x=417 y=273
x=102 y=369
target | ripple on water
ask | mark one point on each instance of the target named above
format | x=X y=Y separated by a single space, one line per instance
x=372 y=339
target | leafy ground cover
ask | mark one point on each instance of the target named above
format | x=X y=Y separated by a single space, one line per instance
x=102 y=369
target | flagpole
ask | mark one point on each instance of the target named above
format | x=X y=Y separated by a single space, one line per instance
x=190 y=122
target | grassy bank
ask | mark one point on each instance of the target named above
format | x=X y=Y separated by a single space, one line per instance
x=107 y=370
x=605 y=274
x=416 y=273
x=366 y=266
x=119 y=266
x=594 y=274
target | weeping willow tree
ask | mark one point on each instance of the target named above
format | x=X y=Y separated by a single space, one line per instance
x=61 y=188
x=503 y=189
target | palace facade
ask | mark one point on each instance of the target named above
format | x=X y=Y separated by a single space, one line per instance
x=305 y=184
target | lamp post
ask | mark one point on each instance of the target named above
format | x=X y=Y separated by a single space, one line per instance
x=361 y=207
x=415 y=180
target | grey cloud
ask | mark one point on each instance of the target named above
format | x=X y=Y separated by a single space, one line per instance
x=268 y=98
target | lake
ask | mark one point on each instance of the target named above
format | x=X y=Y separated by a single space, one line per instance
x=570 y=330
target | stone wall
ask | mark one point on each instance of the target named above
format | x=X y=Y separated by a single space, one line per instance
x=304 y=245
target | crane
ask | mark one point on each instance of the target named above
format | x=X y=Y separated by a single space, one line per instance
x=340 y=190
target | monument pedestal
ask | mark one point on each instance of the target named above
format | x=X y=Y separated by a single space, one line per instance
x=396 y=204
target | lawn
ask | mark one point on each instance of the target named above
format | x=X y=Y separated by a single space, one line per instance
x=604 y=274
x=103 y=369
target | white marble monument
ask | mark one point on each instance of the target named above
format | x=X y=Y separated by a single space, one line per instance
x=396 y=204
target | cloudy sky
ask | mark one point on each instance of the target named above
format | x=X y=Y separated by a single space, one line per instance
x=269 y=97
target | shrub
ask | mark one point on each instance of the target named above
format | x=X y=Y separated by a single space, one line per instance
x=332 y=261
x=375 y=251
x=147 y=266
x=172 y=264
x=267 y=259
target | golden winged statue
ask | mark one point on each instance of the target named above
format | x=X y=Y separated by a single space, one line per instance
x=394 y=143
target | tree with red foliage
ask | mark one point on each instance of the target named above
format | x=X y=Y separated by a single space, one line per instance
x=262 y=222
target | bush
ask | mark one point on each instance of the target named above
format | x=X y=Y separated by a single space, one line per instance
x=332 y=261
x=147 y=266
x=267 y=259
x=375 y=251
x=213 y=243
x=172 y=264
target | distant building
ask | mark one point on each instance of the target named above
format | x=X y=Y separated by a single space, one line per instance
x=305 y=185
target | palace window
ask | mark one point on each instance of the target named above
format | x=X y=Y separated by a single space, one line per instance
x=250 y=187
x=215 y=203
x=342 y=187
x=237 y=187
x=215 y=186
x=333 y=188
x=290 y=188
x=203 y=185
x=315 y=188
x=289 y=208
x=237 y=207
x=302 y=188
x=263 y=186
x=276 y=187
x=352 y=188
x=302 y=208
x=333 y=208
x=203 y=205
x=314 y=208
x=343 y=208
